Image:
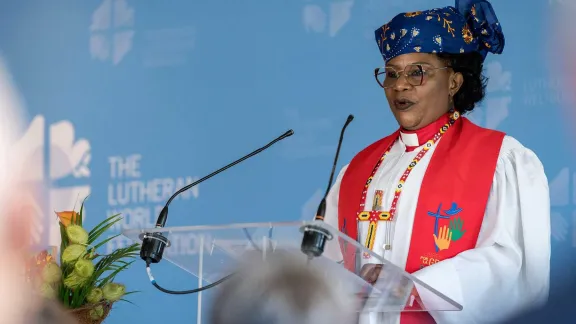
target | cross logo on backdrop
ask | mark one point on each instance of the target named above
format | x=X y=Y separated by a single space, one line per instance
x=111 y=31
x=329 y=18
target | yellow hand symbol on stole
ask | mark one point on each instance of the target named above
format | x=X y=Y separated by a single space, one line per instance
x=444 y=238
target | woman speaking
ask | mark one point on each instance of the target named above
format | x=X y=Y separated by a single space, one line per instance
x=463 y=208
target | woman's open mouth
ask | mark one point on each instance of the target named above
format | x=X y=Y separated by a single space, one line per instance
x=403 y=104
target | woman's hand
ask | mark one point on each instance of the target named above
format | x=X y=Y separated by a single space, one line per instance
x=370 y=272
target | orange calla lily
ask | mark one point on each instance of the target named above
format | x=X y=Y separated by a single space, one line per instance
x=67 y=217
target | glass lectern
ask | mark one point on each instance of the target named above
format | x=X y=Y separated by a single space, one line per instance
x=218 y=248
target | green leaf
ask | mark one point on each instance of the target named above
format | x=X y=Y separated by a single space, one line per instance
x=95 y=233
x=97 y=227
x=106 y=241
x=64 y=240
x=115 y=263
x=80 y=218
x=127 y=301
x=113 y=275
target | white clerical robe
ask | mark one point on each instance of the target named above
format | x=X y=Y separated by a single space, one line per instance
x=508 y=270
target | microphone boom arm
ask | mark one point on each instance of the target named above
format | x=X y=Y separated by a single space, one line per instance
x=153 y=244
x=315 y=237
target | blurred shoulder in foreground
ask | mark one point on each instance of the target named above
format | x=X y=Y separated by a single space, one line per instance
x=50 y=312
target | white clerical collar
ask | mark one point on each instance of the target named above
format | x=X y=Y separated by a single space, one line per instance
x=409 y=139
x=416 y=138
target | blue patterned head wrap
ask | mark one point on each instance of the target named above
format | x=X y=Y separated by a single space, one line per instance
x=471 y=26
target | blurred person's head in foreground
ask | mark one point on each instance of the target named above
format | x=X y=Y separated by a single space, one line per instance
x=280 y=290
x=16 y=219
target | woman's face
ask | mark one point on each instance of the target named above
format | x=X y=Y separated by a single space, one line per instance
x=415 y=106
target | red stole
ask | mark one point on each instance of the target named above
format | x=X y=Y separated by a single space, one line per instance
x=456 y=186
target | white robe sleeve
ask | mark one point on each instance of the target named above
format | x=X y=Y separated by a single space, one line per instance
x=509 y=269
x=332 y=248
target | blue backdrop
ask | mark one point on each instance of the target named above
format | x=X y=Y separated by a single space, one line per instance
x=184 y=87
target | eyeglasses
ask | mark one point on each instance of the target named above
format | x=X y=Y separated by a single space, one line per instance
x=415 y=74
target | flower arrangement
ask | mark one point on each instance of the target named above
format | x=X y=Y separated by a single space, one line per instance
x=83 y=281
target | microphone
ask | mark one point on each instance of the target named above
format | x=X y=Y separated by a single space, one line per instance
x=315 y=237
x=153 y=244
